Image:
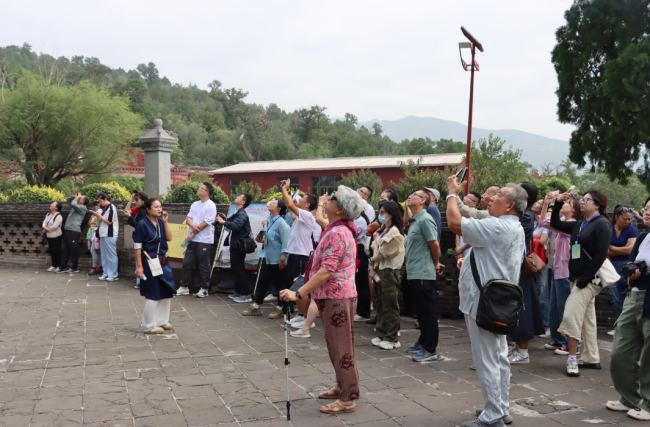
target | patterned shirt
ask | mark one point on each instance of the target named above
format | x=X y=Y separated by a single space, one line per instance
x=336 y=252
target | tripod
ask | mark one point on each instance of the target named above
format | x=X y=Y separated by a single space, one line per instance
x=287 y=315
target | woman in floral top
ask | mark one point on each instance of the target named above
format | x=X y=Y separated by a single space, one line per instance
x=329 y=277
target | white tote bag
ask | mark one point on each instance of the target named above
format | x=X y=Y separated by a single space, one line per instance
x=608 y=274
x=154 y=264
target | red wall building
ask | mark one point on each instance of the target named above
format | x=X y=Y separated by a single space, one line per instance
x=318 y=175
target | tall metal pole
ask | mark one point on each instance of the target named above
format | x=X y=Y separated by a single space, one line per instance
x=468 y=155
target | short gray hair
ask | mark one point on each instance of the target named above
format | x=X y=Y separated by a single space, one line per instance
x=351 y=201
x=519 y=196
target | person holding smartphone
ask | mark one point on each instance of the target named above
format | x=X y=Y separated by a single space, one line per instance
x=275 y=237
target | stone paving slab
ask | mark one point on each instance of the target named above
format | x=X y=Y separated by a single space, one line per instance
x=73 y=353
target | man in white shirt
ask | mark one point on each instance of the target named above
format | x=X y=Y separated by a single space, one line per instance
x=301 y=239
x=498 y=246
x=201 y=237
x=366 y=194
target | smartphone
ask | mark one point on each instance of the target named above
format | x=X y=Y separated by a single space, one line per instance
x=571 y=188
x=261 y=234
x=461 y=174
x=298 y=283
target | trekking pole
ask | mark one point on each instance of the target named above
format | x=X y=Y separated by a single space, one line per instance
x=259 y=269
x=285 y=310
x=216 y=253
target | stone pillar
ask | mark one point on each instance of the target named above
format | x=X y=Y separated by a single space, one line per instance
x=157 y=145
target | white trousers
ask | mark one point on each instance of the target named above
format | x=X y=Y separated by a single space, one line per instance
x=490 y=353
x=156 y=313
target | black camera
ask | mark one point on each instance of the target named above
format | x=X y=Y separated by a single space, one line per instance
x=94 y=203
x=632 y=268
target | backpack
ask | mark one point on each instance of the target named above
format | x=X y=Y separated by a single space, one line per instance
x=499 y=305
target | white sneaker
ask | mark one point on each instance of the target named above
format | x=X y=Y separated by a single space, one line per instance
x=572 y=369
x=52 y=268
x=372 y=307
x=296 y=319
x=387 y=345
x=243 y=298
x=611 y=333
x=112 y=279
x=358 y=318
x=376 y=341
x=520 y=359
x=102 y=278
x=616 y=405
x=300 y=334
x=639 y=414
x=547 y=334
x=301 y=324
x=183 y=290
x=270 y=298
x=202 y=293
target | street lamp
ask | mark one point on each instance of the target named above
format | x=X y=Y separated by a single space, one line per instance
x=472 y=44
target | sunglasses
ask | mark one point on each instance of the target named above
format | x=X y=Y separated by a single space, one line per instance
x=333 y=197
x=624 y=209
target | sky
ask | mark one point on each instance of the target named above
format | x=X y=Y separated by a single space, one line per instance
x=376 y=59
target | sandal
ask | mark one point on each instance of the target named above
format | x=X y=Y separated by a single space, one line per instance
x=340 y=406
x=329 y=394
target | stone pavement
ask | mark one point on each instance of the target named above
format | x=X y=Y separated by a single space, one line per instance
x=73 y=353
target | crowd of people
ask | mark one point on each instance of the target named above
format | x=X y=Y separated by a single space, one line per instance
x=331 y=255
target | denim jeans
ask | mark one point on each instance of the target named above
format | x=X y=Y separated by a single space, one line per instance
x=560 y=290
x=541 y=280
x=618 y=290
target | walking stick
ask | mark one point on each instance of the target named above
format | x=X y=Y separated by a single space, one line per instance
x=259 y=269
x=287 y=314
x=216 y=253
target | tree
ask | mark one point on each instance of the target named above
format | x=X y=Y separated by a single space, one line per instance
x=603 y=67
x=492 y=164
x=364 y=177
x=351 y=118
x=376 y=129
x=310 y=121
x=49 y=132
x=149 y=72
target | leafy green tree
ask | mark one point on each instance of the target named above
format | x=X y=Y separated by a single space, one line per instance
x=553 y=183
x=310 y=122
x=376 y=129
x=57 y=131
x=416 y=178
x=149 y=72
x=602 y=60
x=186 y=193
x=492 y=164
x=632 y=194
x=351 y=118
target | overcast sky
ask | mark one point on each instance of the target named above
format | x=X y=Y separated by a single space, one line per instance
x=375 y=59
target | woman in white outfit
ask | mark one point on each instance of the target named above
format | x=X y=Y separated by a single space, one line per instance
x=150 y=242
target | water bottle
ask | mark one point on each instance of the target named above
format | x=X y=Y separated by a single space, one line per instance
x=376 y=278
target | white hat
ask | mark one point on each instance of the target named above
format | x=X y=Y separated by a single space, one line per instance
x=434 y=192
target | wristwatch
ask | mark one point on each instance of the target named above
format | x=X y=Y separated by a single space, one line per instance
x=450 y=195
x=298 y=295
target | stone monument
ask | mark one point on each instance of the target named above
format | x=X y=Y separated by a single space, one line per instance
x=157 y=145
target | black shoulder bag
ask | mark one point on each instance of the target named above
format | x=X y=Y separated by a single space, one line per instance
x=499 y=305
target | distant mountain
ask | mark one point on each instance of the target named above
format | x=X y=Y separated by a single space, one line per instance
x=536 y=148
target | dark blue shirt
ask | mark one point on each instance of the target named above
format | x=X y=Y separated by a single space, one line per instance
x=239 y=226
x=146 y=234
x=629 y=232
x=435 y=214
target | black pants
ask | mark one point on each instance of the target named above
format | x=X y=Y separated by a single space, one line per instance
x=238 y=267
x=70 y=249
x=296 y=265
x=425 y=308
x=54 y=245
x=363 y=286
x=270 y=273
x=198 y=255
x=407 y=297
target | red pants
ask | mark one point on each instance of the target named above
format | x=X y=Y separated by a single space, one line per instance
x=338 y=318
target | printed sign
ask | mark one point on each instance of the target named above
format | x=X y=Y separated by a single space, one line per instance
x=179 y=231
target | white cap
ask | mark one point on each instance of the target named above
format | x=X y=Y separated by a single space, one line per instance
x=434 y=192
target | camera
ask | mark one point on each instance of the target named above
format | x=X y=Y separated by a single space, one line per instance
x=94 y=203
x=632 y=268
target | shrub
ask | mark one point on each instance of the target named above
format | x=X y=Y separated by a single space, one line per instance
x=3 y=198
x=186 y=193
x=356 y=180
x=251 y=188
x=416 y=178
x=130 y=182
x=115 y=190
x=199 y=177
x=35 y=194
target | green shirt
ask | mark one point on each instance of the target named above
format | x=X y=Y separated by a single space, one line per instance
x=419 y=262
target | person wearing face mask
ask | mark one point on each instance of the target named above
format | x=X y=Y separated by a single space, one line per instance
x=273 y=255
x=624 y=236
x=630 y=364
x=590 y=240
x=388 y=257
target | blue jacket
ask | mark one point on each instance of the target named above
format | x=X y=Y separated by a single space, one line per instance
x=239 y=226
x=642 y=282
